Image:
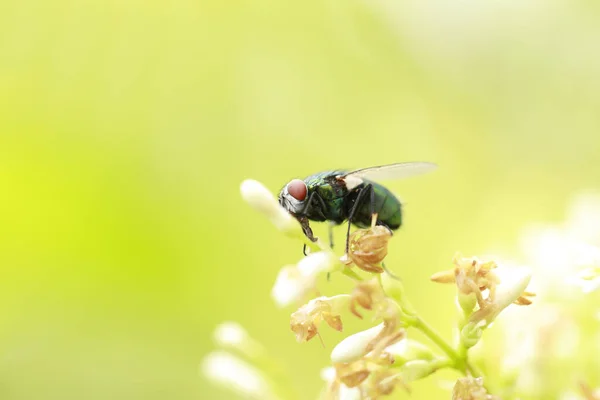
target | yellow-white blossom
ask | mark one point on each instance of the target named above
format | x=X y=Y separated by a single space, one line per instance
x=513 y=283
x=230 y=334
x=491 y=288
x=371 y=342
x=305 y=322
x=407 y=350
x=337 y=390
x=588 y=279
x=237 y=375
x=368 y=248
x=470 y=388
x=355 y=346
x=295 y=282
x=416 y=369
x=263 y=201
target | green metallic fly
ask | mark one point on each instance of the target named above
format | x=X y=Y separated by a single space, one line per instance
x=337 y=196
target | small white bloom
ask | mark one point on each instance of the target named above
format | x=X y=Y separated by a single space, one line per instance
x=293 y=283
x=347 y=393
x=316 y=263
x=289 y=286
x=471 y=333
x=230 y=334
x=328 y=374
x=557 y=255
x=237 y=375
x=343 y=392
x=407 y=350
x=416 y=369
x=263 y=201
x=513 y=282
x=355 y=346
x=305 y=321
x=588 y=279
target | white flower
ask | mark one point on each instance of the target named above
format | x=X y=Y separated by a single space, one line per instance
x=230 y=334
x=328 y=374
x=513 y=282
x=588 y=279
x=261 y=199
x=556 y=254
x=237 y=375
x=407 y=350
x=347 y=393
x=343 y=392
x=355 y=346
x=416 y=369
x=305 y=322
x=294 y=282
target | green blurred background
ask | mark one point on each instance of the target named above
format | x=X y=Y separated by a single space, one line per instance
x=126 y=128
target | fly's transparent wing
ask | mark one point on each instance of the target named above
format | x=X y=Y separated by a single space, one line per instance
x=391 y=171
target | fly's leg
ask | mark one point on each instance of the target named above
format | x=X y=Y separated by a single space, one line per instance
x=315 y=196
x=379 y=223
x=304 y=221
x=331 y=225
x=307 y=232
x=368 y=189
x=373 y=213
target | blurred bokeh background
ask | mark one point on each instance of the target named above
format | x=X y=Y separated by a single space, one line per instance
x=126 y=128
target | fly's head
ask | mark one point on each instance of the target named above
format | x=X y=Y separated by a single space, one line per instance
x=293 y=197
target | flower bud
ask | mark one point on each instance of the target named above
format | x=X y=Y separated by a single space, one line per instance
x=336 y=389
x=470 y=388
x=368 y=248
x=395 y=289
x=261 y=199
x=304 y=322
x=231 y=334
x=471 y=333
x=466 y=302
x=588 y=279
x=513 y=283
x=294 y=282
x=408 y=350
x=237 y=375
x=355 y=346
x=352 y=374
x=416 y=369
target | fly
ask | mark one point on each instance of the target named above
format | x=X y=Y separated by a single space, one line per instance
x=354 y=196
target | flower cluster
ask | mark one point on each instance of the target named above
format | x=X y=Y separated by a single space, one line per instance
x=367 y=248
x=237 y=365
x=483 y=291
x=305 y=322
x=375 y=362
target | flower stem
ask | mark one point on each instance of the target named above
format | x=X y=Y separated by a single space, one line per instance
x=458 y=357
x=428 y=331
x=459 y=361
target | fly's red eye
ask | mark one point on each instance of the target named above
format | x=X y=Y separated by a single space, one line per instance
x=297 y=189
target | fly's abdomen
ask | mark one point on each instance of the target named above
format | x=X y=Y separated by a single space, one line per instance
x=387 y=207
